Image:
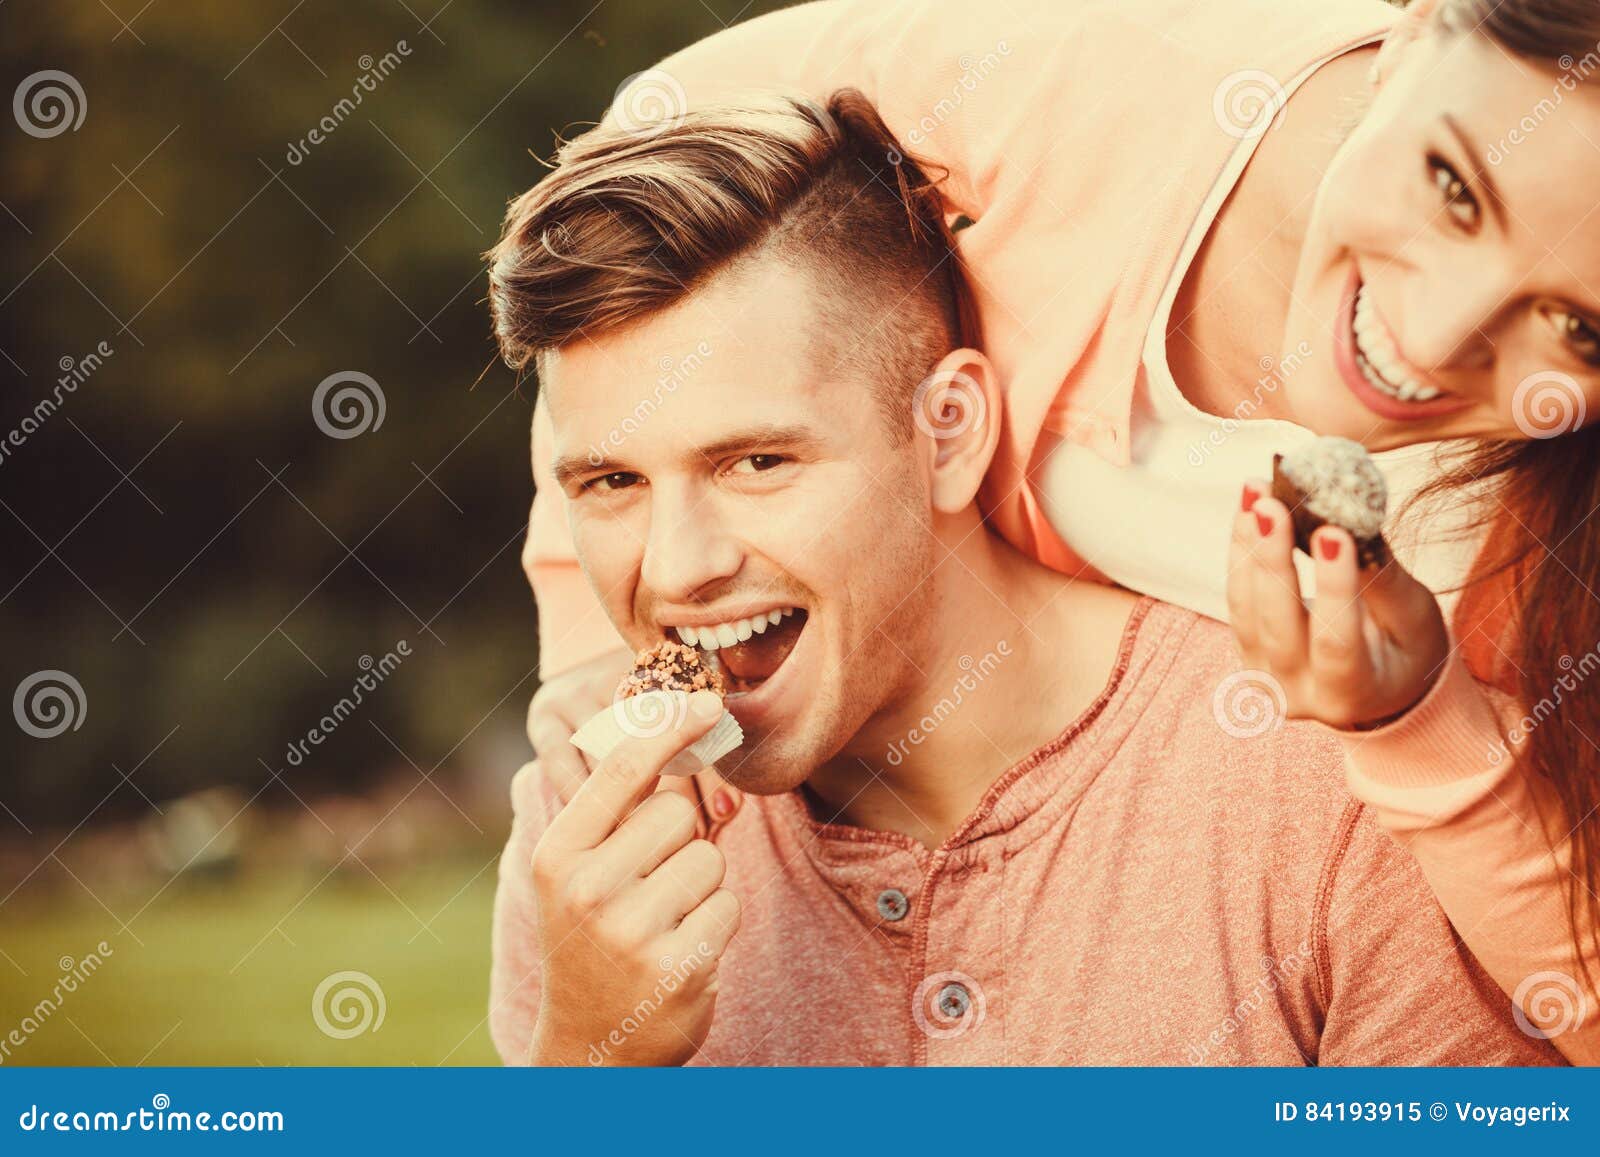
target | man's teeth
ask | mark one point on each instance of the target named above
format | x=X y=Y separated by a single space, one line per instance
x=1379 y=361
x=729 y=634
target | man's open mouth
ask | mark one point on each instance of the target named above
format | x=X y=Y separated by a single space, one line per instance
x=750 y=650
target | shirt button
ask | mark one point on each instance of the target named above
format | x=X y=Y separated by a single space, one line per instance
x=892 y=904
x=954 y=1000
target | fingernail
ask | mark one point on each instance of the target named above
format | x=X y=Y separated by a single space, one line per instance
x=705 y=704
x=721 y=805
x=1329 y=546
x=1248 y=499
x=1263 y=523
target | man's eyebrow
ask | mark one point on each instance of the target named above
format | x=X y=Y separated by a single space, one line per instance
x=1479 y=172
x=762 y=437
x=768 y=437
x=569 y=469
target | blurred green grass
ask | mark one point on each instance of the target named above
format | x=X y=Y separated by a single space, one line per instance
x=227 y=969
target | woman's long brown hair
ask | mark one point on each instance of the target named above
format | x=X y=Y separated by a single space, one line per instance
x=1528 y=592
x=1526 y=617
x=1527 y=612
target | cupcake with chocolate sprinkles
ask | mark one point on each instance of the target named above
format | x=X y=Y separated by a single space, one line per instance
x=670 y=666
x=652 y=699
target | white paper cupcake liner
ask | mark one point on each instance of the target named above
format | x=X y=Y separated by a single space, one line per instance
x=655 y=713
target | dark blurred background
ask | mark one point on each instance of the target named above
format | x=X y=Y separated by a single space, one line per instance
x=257 y=458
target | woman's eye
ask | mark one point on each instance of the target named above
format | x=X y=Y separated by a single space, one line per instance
x=1458 y=199
x=1579 y=333
x=620 y=480
x=756 y=463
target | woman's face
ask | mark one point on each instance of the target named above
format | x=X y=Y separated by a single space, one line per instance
x=1449 y=282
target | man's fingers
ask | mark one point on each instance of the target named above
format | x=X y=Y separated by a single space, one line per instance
x=706 y=931
x=629 y=772
x=679 y=886
x=657 y=828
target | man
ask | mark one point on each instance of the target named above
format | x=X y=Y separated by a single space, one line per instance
x=995 y=816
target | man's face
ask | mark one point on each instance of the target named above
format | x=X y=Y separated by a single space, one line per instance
x=722 y=467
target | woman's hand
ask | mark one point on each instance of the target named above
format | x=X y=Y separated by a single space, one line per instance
x=565 y=703
x=1368 y=648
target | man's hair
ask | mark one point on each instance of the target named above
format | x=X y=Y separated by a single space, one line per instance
x=633 y=219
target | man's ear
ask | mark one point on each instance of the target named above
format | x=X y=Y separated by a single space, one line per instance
x=957 y=411
x=1407 y=29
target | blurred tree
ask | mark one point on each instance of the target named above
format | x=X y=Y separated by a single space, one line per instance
x=178 y=534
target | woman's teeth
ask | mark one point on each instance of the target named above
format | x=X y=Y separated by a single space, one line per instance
x=1379 y=361
x=729 y=634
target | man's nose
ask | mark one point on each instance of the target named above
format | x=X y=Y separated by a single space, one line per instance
x=688 y=547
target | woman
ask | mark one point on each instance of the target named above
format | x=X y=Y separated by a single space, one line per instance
x=1173 y=291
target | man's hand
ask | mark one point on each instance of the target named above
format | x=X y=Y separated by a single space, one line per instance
x=1367 y=649
x=564 y=703
x=632 y=916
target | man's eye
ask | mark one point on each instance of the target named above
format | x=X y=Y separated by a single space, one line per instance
x=756 y=463
x=1458 y=199
x=620 y=480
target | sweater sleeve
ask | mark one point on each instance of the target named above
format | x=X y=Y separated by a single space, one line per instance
x=514 y=968
x=1445 y=782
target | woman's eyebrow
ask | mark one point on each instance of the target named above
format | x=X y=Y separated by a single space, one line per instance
x=1479 y=173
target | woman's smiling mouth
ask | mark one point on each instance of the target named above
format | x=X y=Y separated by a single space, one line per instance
x=1370 y=362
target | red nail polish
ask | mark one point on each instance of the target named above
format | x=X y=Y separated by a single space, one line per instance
x=1329 y=546
x=1248 y=499
x=1264 y=523
x=721 y=805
